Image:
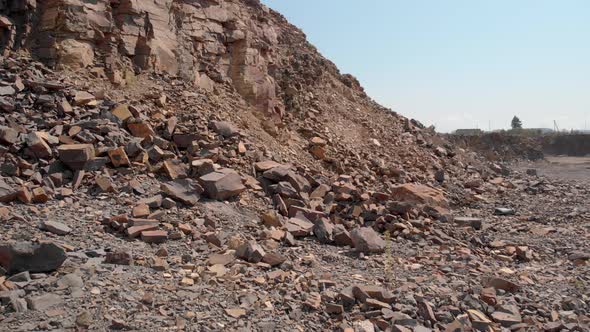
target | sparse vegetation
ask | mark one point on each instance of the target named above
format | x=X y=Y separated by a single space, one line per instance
x=389 y=262
x=516 y=123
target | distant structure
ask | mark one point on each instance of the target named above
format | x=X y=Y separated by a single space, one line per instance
x=469 y=132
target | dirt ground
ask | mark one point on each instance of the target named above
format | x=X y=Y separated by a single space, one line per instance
x=561 y=167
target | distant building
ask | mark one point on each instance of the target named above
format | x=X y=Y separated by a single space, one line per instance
x=469 y=132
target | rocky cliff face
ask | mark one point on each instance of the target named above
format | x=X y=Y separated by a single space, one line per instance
x=206 y=42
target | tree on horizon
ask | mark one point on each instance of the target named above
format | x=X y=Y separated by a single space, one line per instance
x=516 y=123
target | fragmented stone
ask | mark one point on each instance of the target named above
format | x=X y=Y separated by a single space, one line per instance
x=235 y=312
x=323 y=229
x=105 y=184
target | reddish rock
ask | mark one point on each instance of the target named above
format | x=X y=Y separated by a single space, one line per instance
x=122 y=112
x=222 y=184
x=157 y=236
x=39 y=195
x=419 y=194
x=174 y=169
x=251 y=252
x=83 y=98
x=119 y=157
x=140 y=128
x=273 y=259
x=342 y=236
x=105 y=184
x=135 y=231
x=263 y=166
x=503 y=284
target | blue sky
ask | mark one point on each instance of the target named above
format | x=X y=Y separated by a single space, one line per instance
x=460 y=63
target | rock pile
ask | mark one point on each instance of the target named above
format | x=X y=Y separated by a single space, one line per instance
x=242 y=183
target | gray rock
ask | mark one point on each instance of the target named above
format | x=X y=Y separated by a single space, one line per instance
x=21 y=279
x=6 y=104
x=277 y=173
x=504 y=211
x=285 y=189
x=224 y=128
x=43 y=302
x=366 y=240
x=72 y=281
x=184 y=190
x=323 y=229
x=55 y=227
x=579 y=256
x=7 y=91
x=7 y=192
x=32 y=257
x=506 y=319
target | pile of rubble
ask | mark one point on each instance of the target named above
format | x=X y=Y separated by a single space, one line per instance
x=249 y=197
x=500 y=146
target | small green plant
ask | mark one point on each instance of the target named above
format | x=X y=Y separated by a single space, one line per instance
x=388 y=262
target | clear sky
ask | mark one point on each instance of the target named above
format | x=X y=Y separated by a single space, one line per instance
x=460 y=63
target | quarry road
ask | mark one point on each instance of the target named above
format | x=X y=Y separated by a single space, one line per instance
x=561 y=167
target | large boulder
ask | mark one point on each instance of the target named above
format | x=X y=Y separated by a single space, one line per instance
x=31 y=257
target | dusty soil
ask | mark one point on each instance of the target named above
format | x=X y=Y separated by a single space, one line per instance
x=561 y=167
